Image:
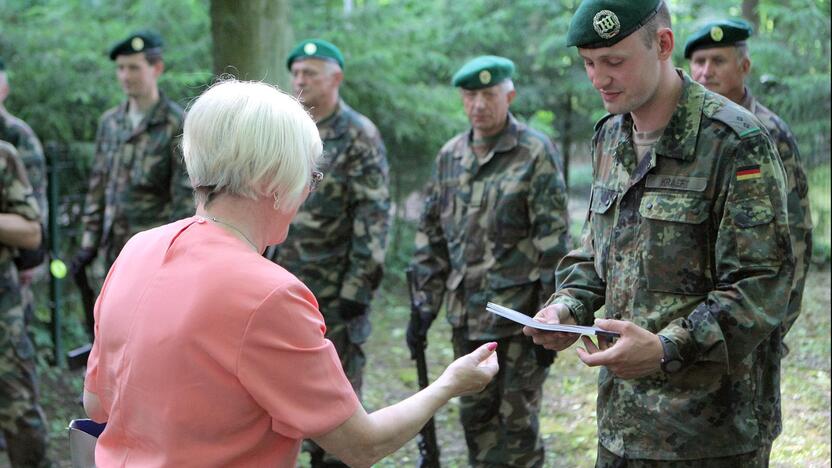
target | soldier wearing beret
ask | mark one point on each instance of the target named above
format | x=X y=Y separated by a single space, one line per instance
x=337 y=242
x=138 y=180
x=21 y=418
x=686 y=245
x=493 y=228
x=719 y=60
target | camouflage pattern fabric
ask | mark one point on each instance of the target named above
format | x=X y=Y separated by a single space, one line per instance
x=493 y=229
x=21 y=418
x=30 y=150
x=755 y=459
x=337 y=242
x=799 y=209
x=502 y=422
x=691 y=243
x=138 y=178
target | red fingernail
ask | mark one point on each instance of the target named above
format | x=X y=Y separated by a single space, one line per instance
x=492 y=346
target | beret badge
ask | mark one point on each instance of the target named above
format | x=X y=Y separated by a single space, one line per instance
x=606 y=24
x=717 y=34
x=137 y=44
x=310 y=48
x=485 y=77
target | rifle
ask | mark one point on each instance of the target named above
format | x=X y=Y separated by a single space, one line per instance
x=428 y=448
x=77 y=357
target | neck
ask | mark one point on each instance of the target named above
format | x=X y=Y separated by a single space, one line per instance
x=656 y=112
x=238 y=216
x=737 y=95
x=479 y=134
x=144 y=103
x=321 y=110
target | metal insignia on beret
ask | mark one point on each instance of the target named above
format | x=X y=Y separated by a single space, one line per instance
x=485 y=77
x=716 y=33
x=606 y=24
x=137 y=44
x=310 y=48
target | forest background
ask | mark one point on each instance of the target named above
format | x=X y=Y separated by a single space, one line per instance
x=400 y=55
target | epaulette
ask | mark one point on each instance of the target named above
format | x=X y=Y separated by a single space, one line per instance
x=741 y=121
x=601 y=121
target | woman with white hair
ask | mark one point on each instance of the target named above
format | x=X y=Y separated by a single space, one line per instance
x=208 y=354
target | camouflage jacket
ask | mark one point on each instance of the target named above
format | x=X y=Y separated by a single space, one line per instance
x=337 y=241
x=16 y=197
x=800 y=214
x=138 y=178
x=693 y=244
x=23 y=138
x=492 y=229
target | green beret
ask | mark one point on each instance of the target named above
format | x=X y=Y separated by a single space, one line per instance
x=603 y=23
x=483 y=72
x=722 y=33
x=315 y=48
x=139 y=41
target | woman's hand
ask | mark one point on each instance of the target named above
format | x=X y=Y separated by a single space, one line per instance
x=472 y=372
x=556 y=341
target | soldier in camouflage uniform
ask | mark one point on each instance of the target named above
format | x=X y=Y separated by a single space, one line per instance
x=494 y=227
x=138 y=178
x=686 y=246
x=21 y=418
x=21 y=136
x=337 y=241
x=719 y=60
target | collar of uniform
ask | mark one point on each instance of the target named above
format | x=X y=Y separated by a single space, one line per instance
x=679 y=138
x=748 y=101
x=157 y=114
x=336 y=124
x=508 y=136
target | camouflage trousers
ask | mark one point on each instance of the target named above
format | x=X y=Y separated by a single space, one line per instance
x=501 y=423
x=348 y=337
x=755 y=459
x=21 y=418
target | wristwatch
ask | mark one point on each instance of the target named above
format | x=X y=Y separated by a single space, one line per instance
x=671 y=361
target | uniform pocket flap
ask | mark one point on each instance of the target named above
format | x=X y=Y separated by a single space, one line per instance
x=602 y=199
x=676 y=208
x=753 y=212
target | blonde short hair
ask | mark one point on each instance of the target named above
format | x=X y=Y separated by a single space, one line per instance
x=249 y=139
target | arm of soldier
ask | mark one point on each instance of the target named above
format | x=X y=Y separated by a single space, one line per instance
x=431 y=259
x=92 y=218
x=31 y=152
x=19 y=222
x=547 y=205
x=580 y=292
x=800 y=219
x=370 y=212
x=364 y=439
x=753 y=260
x=181 y=192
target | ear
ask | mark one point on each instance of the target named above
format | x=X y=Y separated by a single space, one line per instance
x=158 y=68
x=745 y=66
x=666 y=42
x=511 y=95
x=338 y=77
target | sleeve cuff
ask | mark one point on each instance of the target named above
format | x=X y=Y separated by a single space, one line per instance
x=576 y=308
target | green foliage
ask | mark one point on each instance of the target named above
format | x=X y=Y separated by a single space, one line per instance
x=819 y=190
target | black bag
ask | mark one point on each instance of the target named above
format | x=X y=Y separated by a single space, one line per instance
x=29 y=258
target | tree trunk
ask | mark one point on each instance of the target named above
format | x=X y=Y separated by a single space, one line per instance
x=564 y=121
x=252 y=39
x=751 y=13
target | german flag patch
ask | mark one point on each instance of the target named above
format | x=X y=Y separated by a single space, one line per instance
x=749 y=172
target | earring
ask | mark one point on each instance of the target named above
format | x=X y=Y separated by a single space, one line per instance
x=276 y=200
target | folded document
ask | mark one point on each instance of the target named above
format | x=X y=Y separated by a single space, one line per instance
x=524 y=319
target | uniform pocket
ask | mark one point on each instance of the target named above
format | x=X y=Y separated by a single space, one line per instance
x=676 y=257
x=602 y=220
x=754 y=230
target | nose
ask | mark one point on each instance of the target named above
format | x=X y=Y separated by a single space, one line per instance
x=599 y=79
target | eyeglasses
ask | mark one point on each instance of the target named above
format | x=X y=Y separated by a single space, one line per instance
x=317 y=177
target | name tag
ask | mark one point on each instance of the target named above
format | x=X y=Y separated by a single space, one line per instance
x=692 y=184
